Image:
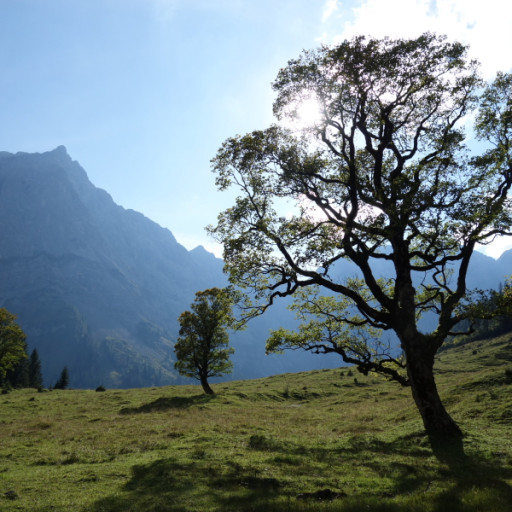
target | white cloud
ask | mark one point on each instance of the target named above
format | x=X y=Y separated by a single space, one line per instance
x=486 y=27
x=496 y=248
x=329 y=8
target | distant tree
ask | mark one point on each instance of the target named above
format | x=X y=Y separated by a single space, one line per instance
x=384 y=174
x=35 y=375
x=63 y=381
x=505 y=302
x=12 y=343
x=491 y=312
x=202 y=349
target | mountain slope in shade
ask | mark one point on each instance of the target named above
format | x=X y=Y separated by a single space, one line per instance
x=95 y=286
x=505 y=261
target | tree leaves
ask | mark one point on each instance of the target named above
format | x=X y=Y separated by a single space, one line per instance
x=202 y=348
x=385 y=175
x=12 y=342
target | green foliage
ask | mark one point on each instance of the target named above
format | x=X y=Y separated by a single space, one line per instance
x=329 y=326
x=18 y=377
x=490 y=314
x=26 y=373
x=202 y=349
x=12 y=343
x=503 y=300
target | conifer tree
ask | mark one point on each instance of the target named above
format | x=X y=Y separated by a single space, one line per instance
x=63 y=381
x=35 y=375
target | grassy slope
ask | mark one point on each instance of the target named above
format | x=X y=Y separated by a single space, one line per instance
x=262 y=445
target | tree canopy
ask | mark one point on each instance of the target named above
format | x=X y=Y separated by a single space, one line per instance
x=384 y=175
x=12 y=343
x=202 y=349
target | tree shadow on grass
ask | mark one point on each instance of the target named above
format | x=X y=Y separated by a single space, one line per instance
x=166 y=403
x=465 y=483
x=479 y=485
x=168 y=486
x=471 y=483
x=474 y=484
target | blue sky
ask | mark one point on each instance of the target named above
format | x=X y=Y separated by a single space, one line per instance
x=143 y=92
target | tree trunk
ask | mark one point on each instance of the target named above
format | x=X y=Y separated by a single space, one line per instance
x=436 y=419
x=444 y=434
x=206 y=387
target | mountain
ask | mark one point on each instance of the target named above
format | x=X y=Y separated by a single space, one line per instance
x=99 y=288
x=505 y=262
x=95 y=286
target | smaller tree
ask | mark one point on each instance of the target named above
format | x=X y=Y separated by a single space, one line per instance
x=505 y=299
x=63 y=381
x=35 y=375
x=12 y=343
x=202 y=349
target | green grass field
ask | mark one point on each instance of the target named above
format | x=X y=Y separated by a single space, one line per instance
x=317 y=441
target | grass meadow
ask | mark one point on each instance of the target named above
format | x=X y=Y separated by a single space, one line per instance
x=327 y=441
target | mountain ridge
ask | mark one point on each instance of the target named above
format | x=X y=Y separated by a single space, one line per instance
x=67 y=242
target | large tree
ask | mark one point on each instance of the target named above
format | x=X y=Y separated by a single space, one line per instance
x=202 y=349
x=384 y=177
x=13 y=347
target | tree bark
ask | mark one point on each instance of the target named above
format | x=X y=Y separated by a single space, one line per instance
x=206 y=387
x=436 y=419
x=444 y=434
